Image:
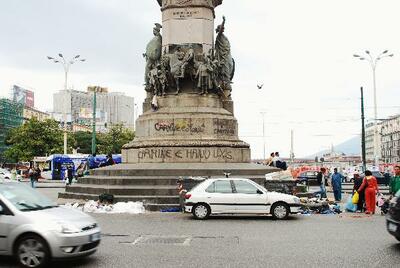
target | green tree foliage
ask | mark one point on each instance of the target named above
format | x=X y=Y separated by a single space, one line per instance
x=83 y=141
x=35 y=138
x=114 y=139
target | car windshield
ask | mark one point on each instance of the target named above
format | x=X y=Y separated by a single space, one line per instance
x=25 y=198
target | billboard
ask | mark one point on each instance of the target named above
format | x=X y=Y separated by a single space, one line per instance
x=23 y=96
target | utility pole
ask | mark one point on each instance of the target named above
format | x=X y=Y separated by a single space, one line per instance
x=291 y=147
x=263 y=126
x=95 y=90
x=363 y=131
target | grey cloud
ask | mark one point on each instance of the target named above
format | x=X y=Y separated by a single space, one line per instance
x=111 y=35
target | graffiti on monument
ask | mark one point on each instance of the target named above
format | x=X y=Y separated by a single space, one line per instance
x=195 y=153
x=224 y=126
x=182 y=125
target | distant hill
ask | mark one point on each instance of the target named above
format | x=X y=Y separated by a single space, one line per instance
x=349 y=147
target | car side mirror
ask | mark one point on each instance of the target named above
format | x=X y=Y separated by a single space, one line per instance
x=259 y=191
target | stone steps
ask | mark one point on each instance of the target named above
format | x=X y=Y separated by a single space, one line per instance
x=123 y=189
x=146 y=199
x=142 y=180
x=183 y=169
x=155 y=184
x=128 y=180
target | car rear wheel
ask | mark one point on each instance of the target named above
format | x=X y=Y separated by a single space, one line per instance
x=201 y=211
x=32 y=251
x=280 y=211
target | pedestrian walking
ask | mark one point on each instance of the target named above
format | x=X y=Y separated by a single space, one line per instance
x=321 y=182
x=337 y=185
x=32 y=176
x=14 y=174
x=70 y=174
x=394 y=185
x=370 y=185
x=357 y=184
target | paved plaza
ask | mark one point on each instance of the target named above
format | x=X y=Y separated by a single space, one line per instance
x=177 y=240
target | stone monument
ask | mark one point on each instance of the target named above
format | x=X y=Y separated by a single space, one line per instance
x=189 y=75
x=187 y=127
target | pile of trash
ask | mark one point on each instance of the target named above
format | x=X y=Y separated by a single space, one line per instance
x=319 y=206
x=92 y=206
x=279 y=175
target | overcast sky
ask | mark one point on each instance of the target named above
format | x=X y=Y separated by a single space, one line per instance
x=300 y=50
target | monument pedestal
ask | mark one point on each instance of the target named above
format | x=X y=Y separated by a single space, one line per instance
x=187 y=128
x=189 y=135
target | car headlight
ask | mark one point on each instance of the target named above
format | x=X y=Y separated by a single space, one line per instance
x=296 y=200
x=67 y=228
x=62 y=227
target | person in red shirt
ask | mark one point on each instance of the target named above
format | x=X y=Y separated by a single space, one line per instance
x=370 y=185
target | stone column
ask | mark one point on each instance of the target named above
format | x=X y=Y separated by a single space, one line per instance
x=188 y=22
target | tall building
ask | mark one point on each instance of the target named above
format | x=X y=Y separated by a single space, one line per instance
x=111 y=108
x=30 y=112
x=10 y=117
x=391 y=140
x=369 y=141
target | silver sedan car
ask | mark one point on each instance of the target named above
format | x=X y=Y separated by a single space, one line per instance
x=36 y=230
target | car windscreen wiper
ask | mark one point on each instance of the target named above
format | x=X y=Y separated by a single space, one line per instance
x=51 y=206
x=27 y=207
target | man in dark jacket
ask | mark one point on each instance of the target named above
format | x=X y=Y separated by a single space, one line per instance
x=321 y=182
x=70 y=174
x=110 y=160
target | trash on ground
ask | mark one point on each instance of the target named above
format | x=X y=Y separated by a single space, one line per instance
x=92 y=206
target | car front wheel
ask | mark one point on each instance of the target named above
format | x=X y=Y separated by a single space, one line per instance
x=201 y=211
x=32 y=251
x=280 y=211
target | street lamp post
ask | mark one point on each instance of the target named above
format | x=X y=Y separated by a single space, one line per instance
x=263 y=131
x=66 y=65
x=373 y=63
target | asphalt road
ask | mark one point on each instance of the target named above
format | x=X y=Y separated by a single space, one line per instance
x=177 y=240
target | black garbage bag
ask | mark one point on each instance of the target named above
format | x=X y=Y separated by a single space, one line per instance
x=106 y=198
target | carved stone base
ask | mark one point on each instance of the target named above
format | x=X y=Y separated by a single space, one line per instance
x=182 y=154
x=187 y=128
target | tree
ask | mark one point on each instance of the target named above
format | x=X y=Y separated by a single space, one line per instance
x=35 y=138
x=83 y=141
x=114 y=139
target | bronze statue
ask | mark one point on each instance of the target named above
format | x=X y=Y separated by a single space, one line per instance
x=154 y=83
x=153 y=52
x=204 y=75
x=223 y=56
x=188 y=60
x=164 y=73
x=176 y=68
